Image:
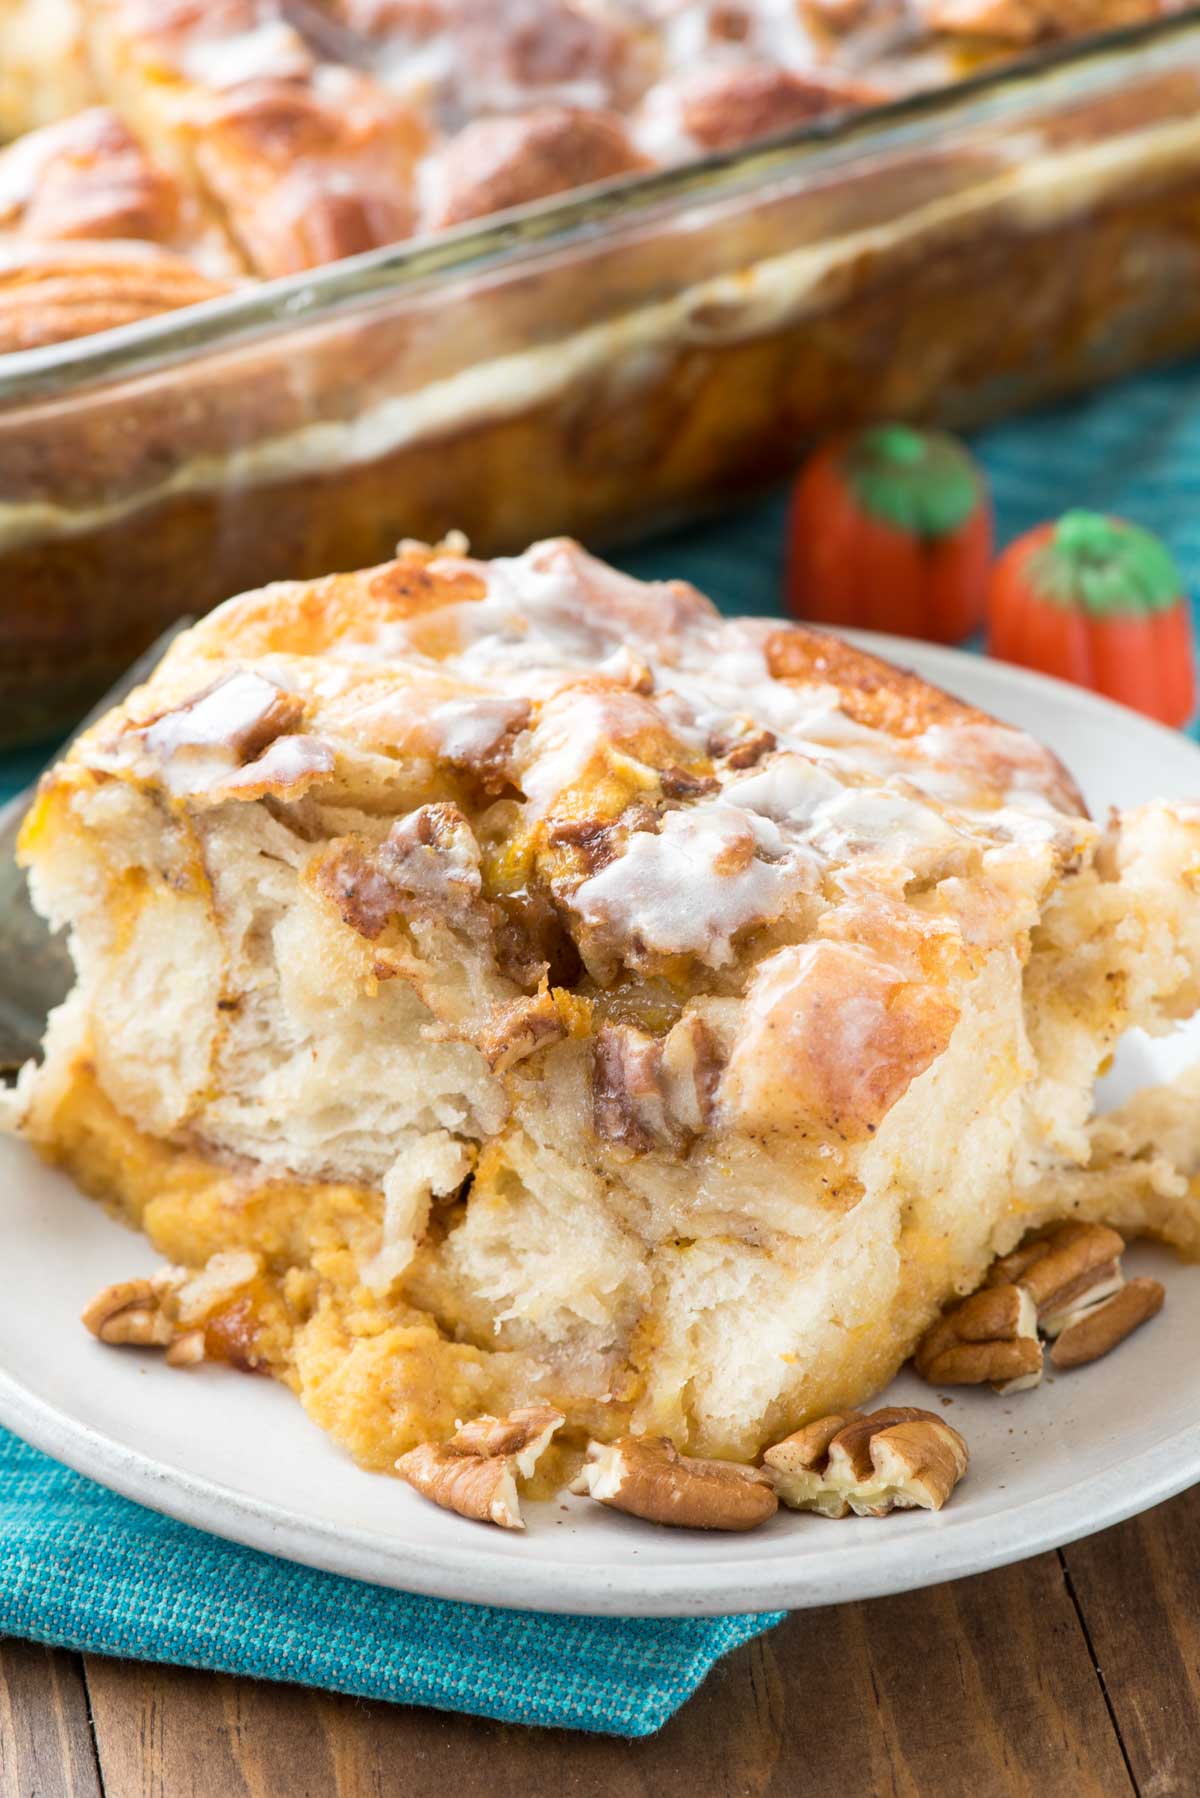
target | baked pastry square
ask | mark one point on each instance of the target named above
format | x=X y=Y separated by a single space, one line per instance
x=509 y=983
x=94 y=233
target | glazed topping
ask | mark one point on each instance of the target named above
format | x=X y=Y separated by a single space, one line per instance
x=287 y=134
x=236 y=738
x=611 y=712
x=708 y=873
x=603 y=786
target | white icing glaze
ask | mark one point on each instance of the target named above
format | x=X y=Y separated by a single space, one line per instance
x=872 y=821
x=197 y=748
x=690 y=888
x=470 y=730
x=613 y=700
x=285 y=764
x=789 y=788
x=216 y=719
x=271 y=49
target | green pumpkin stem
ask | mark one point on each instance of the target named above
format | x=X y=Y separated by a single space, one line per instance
x=1104 y=568
x=921 y=482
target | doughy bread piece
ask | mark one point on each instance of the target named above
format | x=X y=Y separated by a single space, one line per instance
x=44 y=71
x=302 y=160
x=93 y=234
x=558 y=993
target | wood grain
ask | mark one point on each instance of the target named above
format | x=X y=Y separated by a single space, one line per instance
x=986 y=1687
x=1139 y=1590
x=46 y=1748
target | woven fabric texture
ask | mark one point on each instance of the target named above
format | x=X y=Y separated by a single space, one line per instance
x=81 y=1567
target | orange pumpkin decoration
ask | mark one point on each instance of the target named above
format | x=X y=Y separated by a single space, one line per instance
x=891 y=530
x=1099 y=602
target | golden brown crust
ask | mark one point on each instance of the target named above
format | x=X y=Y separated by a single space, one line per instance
x=503 y=162
x=87 y=177
x=1028 y=21
x=274 y=147
x=47 y=297
x=800 y=1064
x=720 y=109
x=307 y=172
x=876 y=693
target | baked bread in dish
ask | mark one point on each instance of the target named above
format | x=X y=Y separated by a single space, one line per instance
x=94 y=234
x=292 y=135
x=507 y=984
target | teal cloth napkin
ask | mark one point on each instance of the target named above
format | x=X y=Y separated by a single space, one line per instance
x=86 y=1569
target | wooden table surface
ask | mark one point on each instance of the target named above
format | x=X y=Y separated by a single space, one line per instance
x=1076 y=1674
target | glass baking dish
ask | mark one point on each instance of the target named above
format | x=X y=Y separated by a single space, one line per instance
x=601 y=364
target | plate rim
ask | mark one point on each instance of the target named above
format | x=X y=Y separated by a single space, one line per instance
x=958 y=1544
x=708 y=1588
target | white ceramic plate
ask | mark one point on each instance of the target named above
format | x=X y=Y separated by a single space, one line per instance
x=238 y=1457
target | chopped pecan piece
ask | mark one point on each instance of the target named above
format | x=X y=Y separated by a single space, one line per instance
x=431 y=857
x=990 y=1336
x=653 y=1092
x=592 y=838
x=427 y=866
x=205 y=1315
x=681 y=783
x=523 y=1434
x=741 y=751
x=521 y=1029
x=532 y=942
x=597 y=841
x=363 y=897
x=894 y=1458
x=627 y=1101
x=1087 y=1334
x=187 y=1350
x=691 y=1065
x=476 y=1472
x=1074 y=1266
x=647 y=1477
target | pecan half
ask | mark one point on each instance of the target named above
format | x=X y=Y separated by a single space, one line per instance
x=1075 y=1265
x=1092 y=1332
x=475 y=1473
x=741 y=751
x=990 y=1336
x=897 y=1458
x=130 y=1314
x=205 y=1314
x=481 y=1487
x=647 y=1477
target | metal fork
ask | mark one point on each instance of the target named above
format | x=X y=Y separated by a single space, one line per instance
x=35 y=969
